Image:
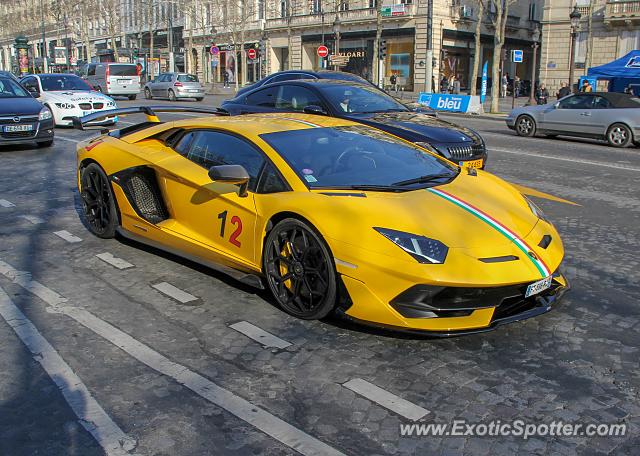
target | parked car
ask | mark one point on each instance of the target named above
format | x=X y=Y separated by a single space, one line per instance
x=68 y=96
x=174 y=86
x=114 y=78
x=368 y=105
x=614 y=117
x=291 y=75
x=9 y=74
x=23 y=119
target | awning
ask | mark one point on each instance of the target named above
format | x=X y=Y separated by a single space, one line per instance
x=625 y=67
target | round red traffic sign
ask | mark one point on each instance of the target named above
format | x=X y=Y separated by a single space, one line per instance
x=252 y=54
x=215 y=50
x=323 y=51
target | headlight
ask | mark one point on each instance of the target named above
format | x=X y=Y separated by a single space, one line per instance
x=536 y=210
x=65 y=105
x=45 y=114
x=111 y=104
x=421 y=248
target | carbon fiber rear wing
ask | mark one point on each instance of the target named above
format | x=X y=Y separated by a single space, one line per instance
x=150 y=111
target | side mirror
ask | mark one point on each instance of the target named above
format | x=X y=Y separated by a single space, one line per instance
x=314 y=109
x=556 y=105
x=231 y=174
x=33 y=91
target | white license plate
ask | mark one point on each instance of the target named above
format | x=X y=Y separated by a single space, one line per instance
x=86 y=113
x=194 y=91
x=538 y=287
x=10 y=128
x=124 y=81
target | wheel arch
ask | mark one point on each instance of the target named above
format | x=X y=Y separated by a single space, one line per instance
x=626 y=124
x=85 y=163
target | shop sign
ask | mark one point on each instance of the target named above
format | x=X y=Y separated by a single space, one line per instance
x=393 y=10
x=445 y=101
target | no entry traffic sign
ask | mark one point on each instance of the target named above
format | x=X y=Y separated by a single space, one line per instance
x=215 y=50
x=323 y=51
x=252 y=54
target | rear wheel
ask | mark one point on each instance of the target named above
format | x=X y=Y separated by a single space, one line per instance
x=619 y=135
x=299 y=270
x=525 y=126
x=98 y=202
x=147 y=94
x=132 y=97
x=172 y=95
x=199 y=99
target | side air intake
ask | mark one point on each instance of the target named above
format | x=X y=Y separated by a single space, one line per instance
x=140 y=185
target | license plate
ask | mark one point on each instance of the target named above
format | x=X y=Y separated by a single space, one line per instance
x=538 y=287
x=472 y=163
x=86 y=113
x=10 y=128
x=124 y=81
x=194 y=91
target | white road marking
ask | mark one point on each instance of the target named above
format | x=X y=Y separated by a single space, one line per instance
x=261 y=419
x=64 y=138
x=64 y=234
x=261 y=336
x=114 y=261
x=571 y=160
x=32 y=219
x=89 y=412
x=5 y=203
x=174 y=292
x=386 y=399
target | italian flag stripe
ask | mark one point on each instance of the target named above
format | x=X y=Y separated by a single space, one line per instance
x=506 y=232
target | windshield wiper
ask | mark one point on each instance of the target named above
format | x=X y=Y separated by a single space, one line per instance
x=423 y=179
x=364 y=187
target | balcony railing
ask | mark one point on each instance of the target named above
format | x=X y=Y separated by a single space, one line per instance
x=623 y=10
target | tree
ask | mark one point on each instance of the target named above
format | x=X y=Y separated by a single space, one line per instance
x=110 y=13
x=478 y=47
x=499 y=20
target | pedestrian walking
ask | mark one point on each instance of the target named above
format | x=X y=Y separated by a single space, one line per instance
x=444 y=84
x=394 y=82
x=564 y=90
x=455 y=85
x=516 y=86
x=542 y=95
x=505 y=85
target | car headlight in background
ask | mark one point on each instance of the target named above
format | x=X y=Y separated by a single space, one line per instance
x=111 y=104
x=45 y=114
x=65 y=105
x=536 y=210
x=421 y=248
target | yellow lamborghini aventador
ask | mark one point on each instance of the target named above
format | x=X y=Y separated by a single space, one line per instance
x=328 y=214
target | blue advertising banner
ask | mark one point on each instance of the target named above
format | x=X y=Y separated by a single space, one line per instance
x=483 y=87
x=445 y=101
x=592 y=80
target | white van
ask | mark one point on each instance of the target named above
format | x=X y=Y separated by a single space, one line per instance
x=114 y=78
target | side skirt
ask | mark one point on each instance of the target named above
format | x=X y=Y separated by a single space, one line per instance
x=253 y=280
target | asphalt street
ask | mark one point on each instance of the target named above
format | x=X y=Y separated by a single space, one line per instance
x=109 y=347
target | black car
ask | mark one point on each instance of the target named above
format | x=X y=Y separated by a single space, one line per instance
x=23 y=119
x=368 y=105
x=292 y=75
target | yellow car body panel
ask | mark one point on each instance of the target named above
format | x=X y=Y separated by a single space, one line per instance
x=478 y=216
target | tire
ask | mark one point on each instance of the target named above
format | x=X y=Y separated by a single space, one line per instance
x=525 y=126
x=147 y=94
x=619 y=135
x=172 y=95
x=199 y=99
x=132 y=97
x=299 y=270
x=44 y=144
x=551 y=136
x=98 y=202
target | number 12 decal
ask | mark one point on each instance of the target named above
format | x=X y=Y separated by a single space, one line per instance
x=237 y=222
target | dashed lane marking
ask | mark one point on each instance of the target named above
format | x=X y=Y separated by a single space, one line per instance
x=386 y=399
x=261 y=336
x=64 y=234
x=174 y=292
x=64 y=138
x=5 y=203
x=32 y=219
x=89 y=412
x=261 y=419
x=114 y=261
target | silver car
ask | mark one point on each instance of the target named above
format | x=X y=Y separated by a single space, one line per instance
x=174 y=86
x=614 y=117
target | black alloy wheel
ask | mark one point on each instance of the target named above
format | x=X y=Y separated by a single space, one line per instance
x=300 y=270
x=98 y=202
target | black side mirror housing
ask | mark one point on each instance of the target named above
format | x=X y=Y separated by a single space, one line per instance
x=314 y=109
x=231 y=174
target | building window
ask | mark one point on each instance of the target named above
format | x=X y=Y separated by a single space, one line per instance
x=629 y=41
x=581 y=47
x=344 y=5
x=316 y=6
x=533 y=12
x=372 y=3
x=284 y=8
x=260 y=9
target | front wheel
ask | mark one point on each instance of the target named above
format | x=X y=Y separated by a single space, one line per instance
x=132 y=97
x=525 y=126
x=619 y=135
x=300 y=270
x=44 y=144
x=98 y=202
x=199 y=99
x=172 y=95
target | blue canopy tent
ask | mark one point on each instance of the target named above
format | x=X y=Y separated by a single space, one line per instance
x=620 y=73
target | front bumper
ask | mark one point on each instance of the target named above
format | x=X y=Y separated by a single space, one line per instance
x=184 y=93
x=67 y=120
x=43 y=132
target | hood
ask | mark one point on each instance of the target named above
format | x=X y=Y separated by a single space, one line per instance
x=417 y=127
x=20 y=107
x=74 y=96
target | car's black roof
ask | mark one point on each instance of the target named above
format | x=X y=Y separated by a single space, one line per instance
x=617 y=99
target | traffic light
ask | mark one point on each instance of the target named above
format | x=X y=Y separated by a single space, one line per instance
x=382 y=49
x=262 y=47
x=135 y=53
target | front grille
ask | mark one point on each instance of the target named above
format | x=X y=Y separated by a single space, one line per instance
x=85 y=106
x=98 y=105
x=21 y=119
x=465 y=151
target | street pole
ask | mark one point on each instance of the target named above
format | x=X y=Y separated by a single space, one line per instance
x=45 y=63
x=536 y=37
x=172 y=58
x=513 y=92
x=574 y=20
x=429 y=66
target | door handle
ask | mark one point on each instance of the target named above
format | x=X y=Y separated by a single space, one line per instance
x=585 y=113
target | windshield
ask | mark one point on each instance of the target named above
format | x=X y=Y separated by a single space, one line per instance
x=357 y=156
x=187 y=78
x=11 y=89
x=62 y=82
x=122 y=70
x=359 y=99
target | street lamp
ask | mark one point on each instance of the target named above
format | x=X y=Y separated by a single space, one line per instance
x=574 y=19
x=336 y=31
x=535 y=36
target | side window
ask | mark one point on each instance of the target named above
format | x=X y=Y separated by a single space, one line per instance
x=91 y=70
x=296 y=98
x=265 y=98
x=30 y=84
x=577 y=102
x=212 y=148
x=182 y=146
x=271 y=182
x=601 y=103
